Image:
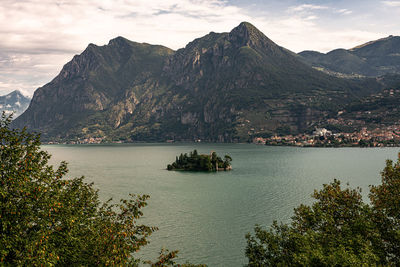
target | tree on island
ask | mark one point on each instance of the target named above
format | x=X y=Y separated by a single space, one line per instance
x=339 y=229
x=227 y=161
x=197 y=162
x=46 y=219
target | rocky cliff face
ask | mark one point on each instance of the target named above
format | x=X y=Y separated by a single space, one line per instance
x=221 y=87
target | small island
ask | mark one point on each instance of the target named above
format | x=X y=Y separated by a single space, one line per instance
x=201 y=162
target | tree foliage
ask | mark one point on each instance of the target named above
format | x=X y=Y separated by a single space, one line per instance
x=385 y=199
x=46 y=219
x=338 y=229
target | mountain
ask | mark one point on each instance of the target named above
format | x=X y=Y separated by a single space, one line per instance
x=221 y=87
x=91 y=86
x=14 y=102
x=372 y=59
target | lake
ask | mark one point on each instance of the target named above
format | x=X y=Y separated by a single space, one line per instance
x=206 y=215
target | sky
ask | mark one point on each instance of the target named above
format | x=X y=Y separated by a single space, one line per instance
x=37 y=37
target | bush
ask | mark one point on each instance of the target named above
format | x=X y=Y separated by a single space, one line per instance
x=339 y=229
x=46 y=219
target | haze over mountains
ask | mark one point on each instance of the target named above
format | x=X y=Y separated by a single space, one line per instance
x=221 y=87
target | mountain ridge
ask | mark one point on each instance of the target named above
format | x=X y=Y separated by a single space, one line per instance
x=372 y=42
x=220 y=87
x=372 y=59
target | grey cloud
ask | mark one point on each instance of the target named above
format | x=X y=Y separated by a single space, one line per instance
x=128 y=15
x=162 y=12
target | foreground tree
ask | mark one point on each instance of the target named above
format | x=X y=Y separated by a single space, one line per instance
x=339 y=229
x=385 y=199
x=46 y=219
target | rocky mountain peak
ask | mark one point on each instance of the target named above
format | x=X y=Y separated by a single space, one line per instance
x=245 y=26
x=247 y=34
x=16 y=93
x=80 y=64
x=118 y=41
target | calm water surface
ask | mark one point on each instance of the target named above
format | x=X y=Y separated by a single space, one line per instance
x=206 y=215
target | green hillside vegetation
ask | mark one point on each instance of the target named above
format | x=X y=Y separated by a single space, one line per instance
x=375 y=111
x=339 y=60
x=200 y=162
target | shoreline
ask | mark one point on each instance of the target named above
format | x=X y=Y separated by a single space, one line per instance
x=216 y=143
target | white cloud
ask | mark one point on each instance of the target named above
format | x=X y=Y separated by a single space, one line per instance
x=312 y=17
x=391 y=3
x=310 y=9
x=344 y=11
x=306 y=7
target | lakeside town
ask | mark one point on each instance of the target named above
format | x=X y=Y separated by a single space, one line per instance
x=321 y=137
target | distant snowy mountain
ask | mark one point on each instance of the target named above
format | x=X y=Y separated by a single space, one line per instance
x=14 y=102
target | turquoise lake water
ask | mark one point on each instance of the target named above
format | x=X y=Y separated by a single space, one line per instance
x=206 y=215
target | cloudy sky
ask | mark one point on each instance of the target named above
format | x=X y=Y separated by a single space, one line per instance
x=37 y=37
